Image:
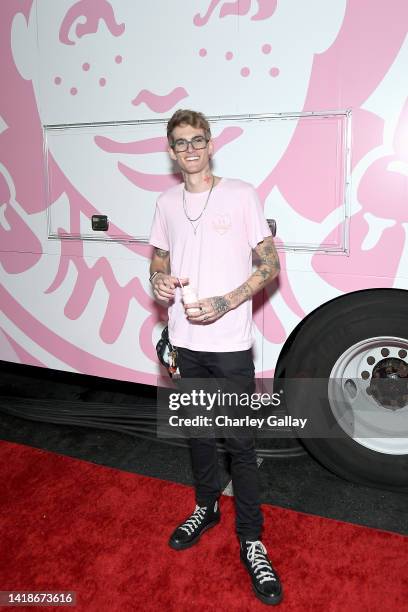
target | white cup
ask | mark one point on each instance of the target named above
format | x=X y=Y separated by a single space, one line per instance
x=189 y=296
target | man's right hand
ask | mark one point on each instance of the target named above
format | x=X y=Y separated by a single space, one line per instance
x=164 y=286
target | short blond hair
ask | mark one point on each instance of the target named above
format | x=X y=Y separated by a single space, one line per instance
x=187 y=117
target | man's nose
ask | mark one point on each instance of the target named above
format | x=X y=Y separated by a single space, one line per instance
x=190 y=146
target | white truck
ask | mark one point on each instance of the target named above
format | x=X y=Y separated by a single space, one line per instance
x=307 y=101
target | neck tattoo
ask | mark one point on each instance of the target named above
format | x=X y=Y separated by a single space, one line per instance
x=192 y=221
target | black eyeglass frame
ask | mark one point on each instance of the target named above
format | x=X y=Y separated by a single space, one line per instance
x=188 y=142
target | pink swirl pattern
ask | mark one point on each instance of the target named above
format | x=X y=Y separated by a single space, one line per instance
x=266 y=9
x=382 y=193
x=160 y=104
x=93 y=12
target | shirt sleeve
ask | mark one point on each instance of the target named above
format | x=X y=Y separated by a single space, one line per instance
x=158 y=234
x=257 y=226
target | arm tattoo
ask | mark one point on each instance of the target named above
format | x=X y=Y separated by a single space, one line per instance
x=269 y=260
x=262 y=272
x=243 y=291
x=220 y=304
x=268 y=256
x=160 y=253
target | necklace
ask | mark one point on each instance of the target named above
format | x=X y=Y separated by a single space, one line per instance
x=192 y=221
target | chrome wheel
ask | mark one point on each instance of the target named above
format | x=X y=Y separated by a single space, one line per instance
x=368 y=393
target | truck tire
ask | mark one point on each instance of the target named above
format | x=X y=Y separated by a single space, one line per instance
x=357 y=339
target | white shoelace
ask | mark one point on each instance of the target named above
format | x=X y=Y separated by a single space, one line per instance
x=256 y=556
x=195 y=519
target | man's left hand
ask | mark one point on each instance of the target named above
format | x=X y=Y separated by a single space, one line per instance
x=210 y=309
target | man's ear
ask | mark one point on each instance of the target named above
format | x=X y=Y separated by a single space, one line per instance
x=210 y=148
x=23 y=45
x=171 y=153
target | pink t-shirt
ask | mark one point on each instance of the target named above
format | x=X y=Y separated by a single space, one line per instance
x=217 y=259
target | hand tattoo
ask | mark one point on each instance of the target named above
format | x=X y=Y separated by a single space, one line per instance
x=220 y=304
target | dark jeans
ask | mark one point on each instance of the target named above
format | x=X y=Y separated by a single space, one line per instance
x=244 y=471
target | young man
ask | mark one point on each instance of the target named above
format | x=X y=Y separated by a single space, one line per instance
x=204 y=231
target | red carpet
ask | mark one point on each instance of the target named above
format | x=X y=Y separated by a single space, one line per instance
x=72 y=525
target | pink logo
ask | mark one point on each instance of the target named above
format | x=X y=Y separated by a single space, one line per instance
x=221 y=223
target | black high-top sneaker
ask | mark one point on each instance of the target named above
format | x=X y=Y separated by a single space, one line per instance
x=189 y=532
x=265 y=580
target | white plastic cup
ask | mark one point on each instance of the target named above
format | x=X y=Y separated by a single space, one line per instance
x=189 y=296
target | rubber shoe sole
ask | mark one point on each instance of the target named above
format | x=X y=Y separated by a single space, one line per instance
x=264 y=598
x=183 y=546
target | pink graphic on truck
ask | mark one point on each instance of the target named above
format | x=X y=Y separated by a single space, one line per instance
x=86 y=306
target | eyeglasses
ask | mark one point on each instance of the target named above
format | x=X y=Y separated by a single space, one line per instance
x=198 y=142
